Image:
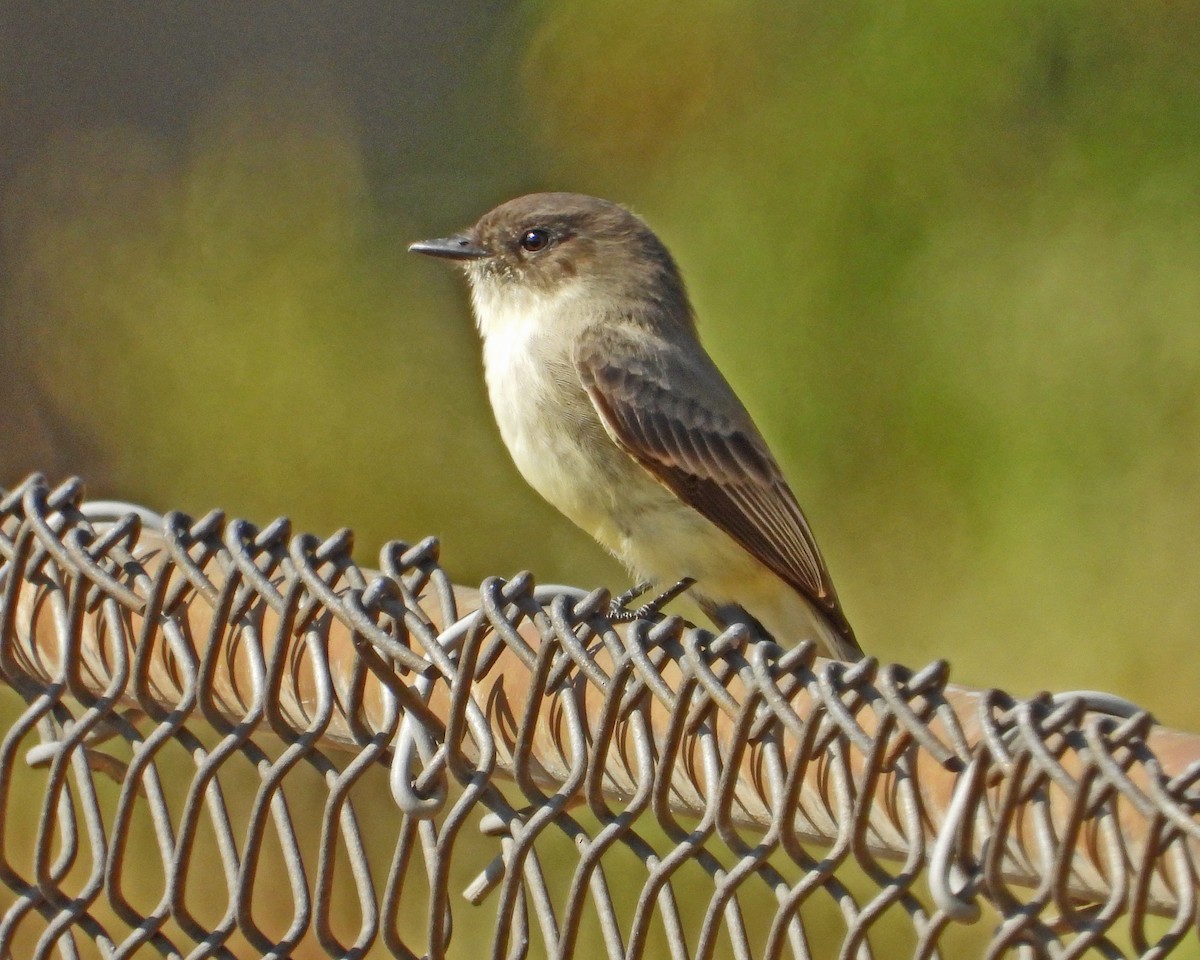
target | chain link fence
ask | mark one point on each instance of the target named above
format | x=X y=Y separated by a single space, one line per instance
x=227 y=741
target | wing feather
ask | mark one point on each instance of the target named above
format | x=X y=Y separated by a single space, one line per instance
x=677 y=416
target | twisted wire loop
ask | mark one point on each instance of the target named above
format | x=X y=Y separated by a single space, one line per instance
x=230 y=741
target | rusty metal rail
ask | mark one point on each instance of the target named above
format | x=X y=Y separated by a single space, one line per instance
x=229 y=741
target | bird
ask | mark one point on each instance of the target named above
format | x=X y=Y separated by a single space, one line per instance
x=613 y=412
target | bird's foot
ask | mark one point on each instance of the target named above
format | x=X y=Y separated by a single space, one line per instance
x=619 y=612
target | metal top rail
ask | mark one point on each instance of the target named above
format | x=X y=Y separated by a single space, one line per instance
x=233 y=741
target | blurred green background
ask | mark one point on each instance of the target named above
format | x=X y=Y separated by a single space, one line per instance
x=947 y=253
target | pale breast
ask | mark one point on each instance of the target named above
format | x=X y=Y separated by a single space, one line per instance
x=557 y=441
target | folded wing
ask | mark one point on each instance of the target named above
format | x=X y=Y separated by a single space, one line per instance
x=677 y=416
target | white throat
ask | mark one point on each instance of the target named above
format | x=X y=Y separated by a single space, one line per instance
x=508 y=308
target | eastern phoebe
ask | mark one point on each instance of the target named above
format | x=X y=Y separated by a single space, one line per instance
x=614 y=413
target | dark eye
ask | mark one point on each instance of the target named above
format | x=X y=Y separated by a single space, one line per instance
x=535 y=240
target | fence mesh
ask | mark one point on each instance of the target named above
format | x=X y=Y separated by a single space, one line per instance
x=231 y=741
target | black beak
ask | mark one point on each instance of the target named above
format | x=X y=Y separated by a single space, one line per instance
x=452 y=248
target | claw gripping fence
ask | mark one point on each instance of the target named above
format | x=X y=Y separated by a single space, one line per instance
x=227 y=741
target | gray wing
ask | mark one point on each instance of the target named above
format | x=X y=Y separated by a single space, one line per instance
x=674 y=413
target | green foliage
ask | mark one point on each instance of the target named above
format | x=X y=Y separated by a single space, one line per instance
x=946 y=252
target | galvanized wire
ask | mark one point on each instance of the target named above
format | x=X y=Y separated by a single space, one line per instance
x=232 y=741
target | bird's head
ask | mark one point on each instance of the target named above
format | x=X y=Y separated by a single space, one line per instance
x=551 y=245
